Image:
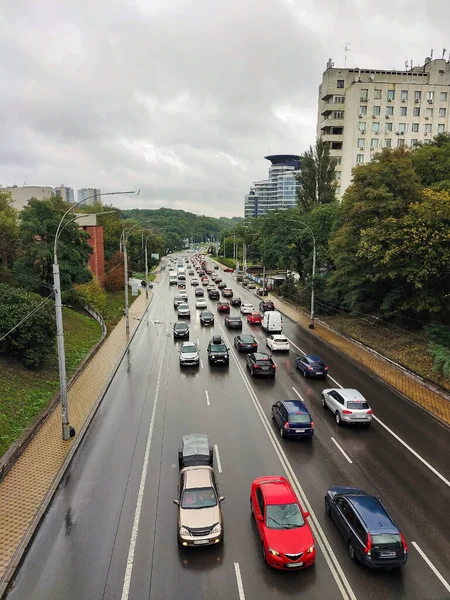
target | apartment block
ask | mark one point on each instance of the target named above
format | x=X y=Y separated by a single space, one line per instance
x=66 y=193
x=362 y=111
x=88 y=196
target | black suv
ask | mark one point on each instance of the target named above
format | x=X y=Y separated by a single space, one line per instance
x=266 y=305
x=199 y=293
x=180 y=329
x=371 y=534
x=218 y=351
x=235 y=302
x=214 y=294
x=261 y=363
x=206 y=317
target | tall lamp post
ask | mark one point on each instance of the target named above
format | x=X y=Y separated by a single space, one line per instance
x=309 y=230
x=152 y=232
x=67 y=430
x=125 y=266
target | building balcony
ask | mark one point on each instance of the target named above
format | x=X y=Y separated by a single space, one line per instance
x=333 y=132
x=331 y=123
x=332 y=106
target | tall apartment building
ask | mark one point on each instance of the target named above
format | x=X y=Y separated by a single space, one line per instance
x=362 y=111
x=279 y=191
x=66 y=193
x=23 y=194
x=87 y=196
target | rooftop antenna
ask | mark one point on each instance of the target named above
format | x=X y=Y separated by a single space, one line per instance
x=444 y=50
x=346 y=49
x=406 y=64
x=431 y=54
x=411 y=65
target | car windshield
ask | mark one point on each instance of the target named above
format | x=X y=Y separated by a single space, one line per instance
x=207 y=314
x=317 y=364
x=263 y=361
x=189 y=348
x=384 y=540
x=235 y=319
x=284 y=516
x=199 y=498
x=247 y=339
x=183 y=306
x=218 y=348
x=358 y=405
x=178 y=299
x=280 y=340
x=180 y=325
x=299 y=419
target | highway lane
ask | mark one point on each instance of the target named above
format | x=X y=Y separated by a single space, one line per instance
x=82 y=548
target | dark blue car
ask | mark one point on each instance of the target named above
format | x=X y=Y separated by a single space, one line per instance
x=293 y=419
x=311 y=366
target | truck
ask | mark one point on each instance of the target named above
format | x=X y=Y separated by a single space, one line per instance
x=173 y=277
x=208 y=266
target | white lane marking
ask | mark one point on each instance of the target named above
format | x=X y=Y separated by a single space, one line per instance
x=432 y=567
x=219 y=464
x=336 y=382
x=201 y=363
x=207 y=398
x=198 y=343
x=422 y=460
x=330 y=557
x=237 y=571
x=137 y=513
x=298 y=394
x=342 y=450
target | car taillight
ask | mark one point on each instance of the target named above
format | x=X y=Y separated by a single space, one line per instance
x=256 y=366
x=368 y=545
x=312 y=424
x=326 y=368
x=309 y=368
x=370 y=412
x=255 y=345
x=286 y=425
x=405 y=546
x=274 y=366
x=347 y=412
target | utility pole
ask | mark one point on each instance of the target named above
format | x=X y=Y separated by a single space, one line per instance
x=146 y=270
x=125 y=263
x=234 y=247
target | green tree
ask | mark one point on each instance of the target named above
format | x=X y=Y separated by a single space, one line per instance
x=316 y=180
x=38 y=223
x=9 y=230
x=92 y=293
x=432 y=162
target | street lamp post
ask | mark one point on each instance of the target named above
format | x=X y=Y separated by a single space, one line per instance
x=125 y=266
x=67 y=430
x=311 y=326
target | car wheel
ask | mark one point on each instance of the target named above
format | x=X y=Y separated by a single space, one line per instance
x=252 y=372
x=264 y=552
x=351 y=551
x=323 y=401
x=251 y=508
x=327 y=507
x=272 y=376
x=273 y=414
x=305 y=374
x=282 y=432
x=337 y=416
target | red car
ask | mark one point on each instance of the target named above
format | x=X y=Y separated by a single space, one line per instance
x=254 y=318
x=228 y=270
x=223 y=307
x=287 y=539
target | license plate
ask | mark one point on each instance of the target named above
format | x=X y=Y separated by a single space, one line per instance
x=319 y=372
x=388 y=554
x=265 y=368
x=200 y=542
x=300 y=430
x=299 y=564
x=359 y=416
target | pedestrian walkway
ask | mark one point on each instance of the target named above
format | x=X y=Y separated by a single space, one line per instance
x=25 y=488
x=431 y=400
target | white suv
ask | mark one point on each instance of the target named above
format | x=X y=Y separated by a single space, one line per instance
x=348 y=406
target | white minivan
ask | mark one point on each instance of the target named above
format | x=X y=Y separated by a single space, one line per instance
x=272 y=322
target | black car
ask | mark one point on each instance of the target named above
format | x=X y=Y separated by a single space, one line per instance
x=221 y=285
x=233 y=322
x=199 y=293
x=266 y=305
x=218 y=351
x=246 y=343
x=235 y=302
x=239 y=278
x=214 y=294
x=216 y=267
x=262 y=292
x=260 y=363
x=206 y=317
x=195 y=450
x=181 y=329
x=191 y=272
x=369 y=531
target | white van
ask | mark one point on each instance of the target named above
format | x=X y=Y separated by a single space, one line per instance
x=272 y=322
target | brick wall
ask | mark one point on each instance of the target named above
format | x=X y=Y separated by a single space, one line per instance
x=97 y=258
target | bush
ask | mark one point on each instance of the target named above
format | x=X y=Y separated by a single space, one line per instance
x=441 y=360
x=35 y=339
x=92 y=293
x=228 y=262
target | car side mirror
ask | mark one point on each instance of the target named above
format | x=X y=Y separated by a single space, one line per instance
x=221 y=498
x=306 y=514
x=176 y=502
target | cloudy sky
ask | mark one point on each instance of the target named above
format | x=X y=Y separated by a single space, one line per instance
x=182 y=99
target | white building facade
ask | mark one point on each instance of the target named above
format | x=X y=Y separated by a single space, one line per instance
x=66 y=193
x=23 y=194
x=279 y=191
x=362 y=111
x=87 y=196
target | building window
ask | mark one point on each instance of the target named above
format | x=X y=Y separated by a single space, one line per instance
x=441 y=128
x=363 y=110
x=416 y=111
x=388 y=143
x=417 y=96
x=402 y=127
x=415 y=127
x=374 y=143
x=443 y=96
x=364 y=95
x=377 y=110
x=340 y=83
x=388 y=127
x=376 y=127
x=338 y=99
x=428 y=128
x=337 y=159
x=401 y=143
x=360 y=159
x=361 y=143
x=404 y=95
x=430 y=97
x=377 y=94
x=428 y=112
x=414 y=143
x=362 y=127
x=338 y=190
x=390 y=95
x=338 y=176
x=338 y=114
x=336 y=145
x=403 y=110
x=389 y=110
x=442 y=112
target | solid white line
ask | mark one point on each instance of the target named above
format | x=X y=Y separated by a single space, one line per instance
x=432 y=567
x=295 y=346
x=198 y=343
x=137 y=514
x=237 y=571
x=341 y=449
x=422 y=460
x=219 y=464
x=298 y=394
x=336 y=382
x=207 y=397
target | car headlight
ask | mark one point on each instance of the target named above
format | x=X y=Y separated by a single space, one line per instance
x=184 y=531
x=213 y=356
x=216 y=529
x=274 y=552
x=310 y=550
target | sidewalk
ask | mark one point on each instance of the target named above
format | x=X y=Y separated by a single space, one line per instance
x=420 y=393
x=27 y=489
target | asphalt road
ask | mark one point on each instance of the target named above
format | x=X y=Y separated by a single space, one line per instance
x=111 y=529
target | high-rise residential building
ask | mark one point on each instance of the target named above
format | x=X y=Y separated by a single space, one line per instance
x=66 y=193
x=362 y=111
x=23 y=194
x=88 y=196
x=279 y=191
